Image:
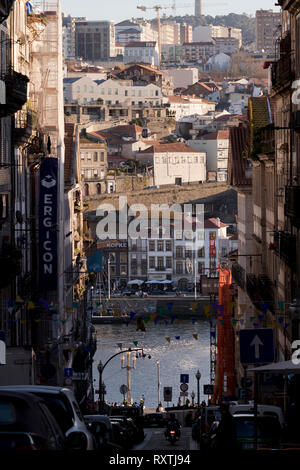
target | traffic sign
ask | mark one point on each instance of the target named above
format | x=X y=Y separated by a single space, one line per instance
x=256 y=346
x=184 y=387
x=68 y=372
x=123 y=389
x=167 y=394
x=208 y=389
x=68 y=381
x=184 y=378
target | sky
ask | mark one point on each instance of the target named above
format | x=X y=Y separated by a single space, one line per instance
x=118 y=10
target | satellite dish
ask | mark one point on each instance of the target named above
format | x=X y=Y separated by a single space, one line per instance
x=19 y=217
x=189 y=265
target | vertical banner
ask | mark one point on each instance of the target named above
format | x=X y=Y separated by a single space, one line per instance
x=48 y=225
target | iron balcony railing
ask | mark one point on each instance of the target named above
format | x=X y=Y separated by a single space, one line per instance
x=292 y=206
x=15 y=92
x=285 y=247
x=239 y=275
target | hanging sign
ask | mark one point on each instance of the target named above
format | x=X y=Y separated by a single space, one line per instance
x=48 y=225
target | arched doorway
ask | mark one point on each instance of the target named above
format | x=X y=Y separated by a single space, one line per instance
x=86 y=189
x=98 y=187
x=183 y=284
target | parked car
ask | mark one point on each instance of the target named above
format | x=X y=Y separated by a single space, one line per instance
x=65 y=409
x=101 y=427
x=128 y=293
x=155 y=419
x=119 y=436
x=27 y=424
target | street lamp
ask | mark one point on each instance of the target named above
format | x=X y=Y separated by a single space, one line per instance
x=128 y=367
x=198 y=377
x=193 y=398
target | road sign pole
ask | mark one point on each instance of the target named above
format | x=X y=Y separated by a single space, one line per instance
x=255 y=409
x=245 y=384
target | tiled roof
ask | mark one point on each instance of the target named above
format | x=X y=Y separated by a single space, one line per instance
x=239 y=140
x=223 y=134
x=209 y=136
x=158 y=147
x=213 y=223
x=71 y=80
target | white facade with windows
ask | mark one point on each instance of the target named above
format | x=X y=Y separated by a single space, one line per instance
x=85 y=90
x=142 y=52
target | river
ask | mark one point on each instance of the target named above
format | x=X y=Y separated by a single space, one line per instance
x=184 y=355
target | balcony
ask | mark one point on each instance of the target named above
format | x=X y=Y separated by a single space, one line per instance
x=5 y=8
x=292 y=206
x=285 y=248
x=282 y=72
x=25 y=121
x=15 y=93
x=260 y=290
x=160 y=268
x=239 y=275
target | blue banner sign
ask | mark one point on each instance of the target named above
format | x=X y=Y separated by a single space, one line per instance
x=48 y=225
x=94 y=262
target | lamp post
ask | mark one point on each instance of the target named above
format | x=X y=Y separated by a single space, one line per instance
x=128 y=367
x=193 y=398
x=101 y=368
x=198 y=377
x=158 y=383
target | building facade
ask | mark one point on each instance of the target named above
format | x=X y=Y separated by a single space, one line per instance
x=142 y=52
x=95 y=40
x=267 y=30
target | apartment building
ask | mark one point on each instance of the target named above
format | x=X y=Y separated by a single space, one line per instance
x=198 y=51
x=209 y=32
x=267 y=30
x=95 y=40
x=111 y=92
x=181 y=106
x=183 y=77
x=142 y=52
x=173 y=163
x=127 y=32
x=93 y=164
x=216 y=146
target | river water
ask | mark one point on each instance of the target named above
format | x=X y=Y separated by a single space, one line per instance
x=184 y=355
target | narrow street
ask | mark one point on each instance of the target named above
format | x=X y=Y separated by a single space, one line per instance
x=155 y=440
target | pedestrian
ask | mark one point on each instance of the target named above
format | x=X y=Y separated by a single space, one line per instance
x=226 y=438
x=187 y=402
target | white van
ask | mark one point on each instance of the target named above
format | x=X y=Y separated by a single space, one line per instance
x=262 y=410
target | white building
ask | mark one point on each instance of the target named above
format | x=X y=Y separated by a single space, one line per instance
x=183 y=77
x=207 y=33
x=218 y=61
x=216 y=146
x=181 y=106
x=142 y=52
x=126 y=32
x=174 y=163
x=85 y=90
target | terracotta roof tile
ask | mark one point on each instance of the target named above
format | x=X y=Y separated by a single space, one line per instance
x=178 y=147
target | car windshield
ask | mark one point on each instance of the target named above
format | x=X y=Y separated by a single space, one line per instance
x=266 y=428
x=61 y=410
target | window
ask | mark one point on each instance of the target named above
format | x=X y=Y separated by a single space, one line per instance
x=89 y=156
x=188 y=252
x=102 y=157
x=95 y=172
x=168 y=245
x=98 y=188
x=132 y=92
x=179 y=252
x=152 y=262
x=126 y=92
x=179 y=268
x=92 y=89
x=116 y=91
x=201 y=252
x=82 y=155
x=78 y=89
x=84 y=88
x=201 y=266
x=123 y=257
x=151 y=245
x=95 y=156
x=169 y=262
x=160 y=245
x=109 y=91
x=160 y=262
x=123 y=270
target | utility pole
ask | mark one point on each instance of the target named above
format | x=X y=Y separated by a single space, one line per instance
x=128 y=368
x=158 y=383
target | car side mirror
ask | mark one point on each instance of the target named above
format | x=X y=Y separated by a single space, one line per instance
x=77 y=441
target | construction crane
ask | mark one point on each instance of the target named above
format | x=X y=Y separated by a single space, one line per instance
x=157 y=8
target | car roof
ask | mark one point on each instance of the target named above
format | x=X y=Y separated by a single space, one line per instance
x=36 y=388
x=251 y=415
x=27 y=397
